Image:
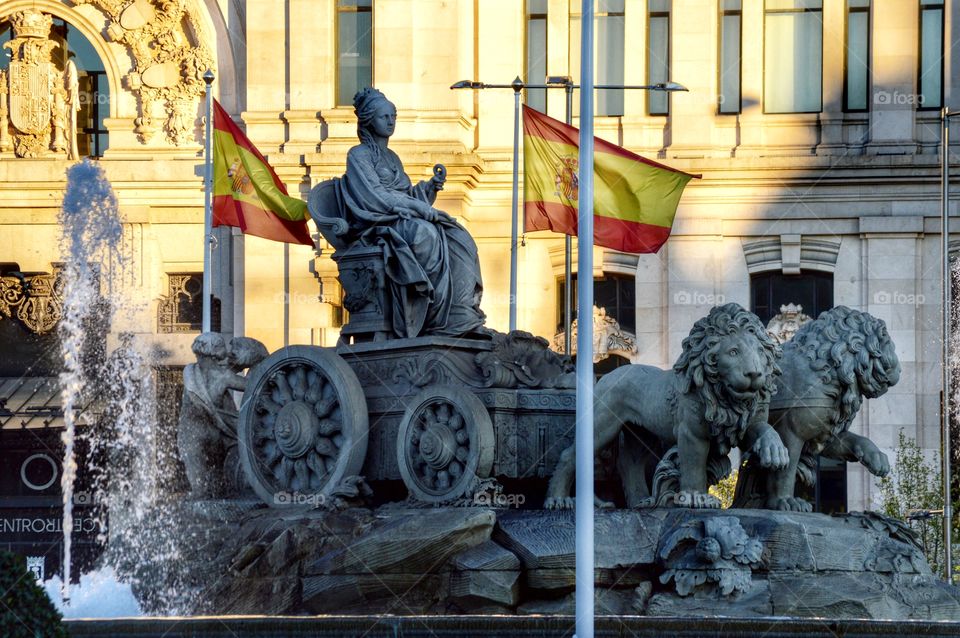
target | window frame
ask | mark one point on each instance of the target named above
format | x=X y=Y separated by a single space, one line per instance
x=846 y=57
x=339 y=9
x=650 y=94
x=721 y=98
x=529 y=17
x=766 y=14
x=575 y=15
x=930 y=5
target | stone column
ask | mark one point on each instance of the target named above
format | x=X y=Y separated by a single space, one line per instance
x=751 y=52
x=834 y=55
x=312 y=51
x=694 y=29
x=894 y=68
x=266 y=74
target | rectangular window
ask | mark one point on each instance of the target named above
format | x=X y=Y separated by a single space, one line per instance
x=793 y=56
x=354 y=48
x=856 y=83
x=658 y=55
x=931 y=54
x=537 y=53
x=608 y=54
x=730 y=24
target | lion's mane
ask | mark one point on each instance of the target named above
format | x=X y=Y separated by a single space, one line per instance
x=851 y=353
x=697 y=366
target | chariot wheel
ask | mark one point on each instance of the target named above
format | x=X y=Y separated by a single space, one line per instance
x=303 y=425
x=444 y=444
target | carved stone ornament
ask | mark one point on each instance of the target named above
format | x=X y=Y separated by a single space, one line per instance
x=520 y=359
x=608 y=338
x=38 y=100
x=167 y=40
x=715 y=550
x=784 y=325
x=36 y=301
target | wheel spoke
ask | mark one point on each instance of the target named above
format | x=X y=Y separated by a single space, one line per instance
x=298 y=383
x=283 y=387
x=303 y=475
x=314 y=387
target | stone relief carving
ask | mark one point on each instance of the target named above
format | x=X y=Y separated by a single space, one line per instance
x=38 y=101
x=167 y=42
x=714 y=550
x=608 y=338
x=36 y=301
x=784 y=325
x=522 y=360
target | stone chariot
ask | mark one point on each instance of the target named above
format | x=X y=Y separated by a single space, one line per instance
x=443 y=414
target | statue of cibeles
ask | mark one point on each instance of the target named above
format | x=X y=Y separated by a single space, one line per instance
x=40 y=99
x=430 y=262
x=207 y=431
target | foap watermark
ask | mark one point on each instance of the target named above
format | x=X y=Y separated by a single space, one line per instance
x=897 y=298
x=299 y=499
x=491 y=498
x=897 y=98
x=697 y=298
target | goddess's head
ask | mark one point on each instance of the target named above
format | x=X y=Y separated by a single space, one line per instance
x=376 y=115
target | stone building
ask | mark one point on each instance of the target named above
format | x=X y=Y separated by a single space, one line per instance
x=814 y=124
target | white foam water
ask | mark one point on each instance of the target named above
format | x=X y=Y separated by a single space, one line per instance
x=100 y=594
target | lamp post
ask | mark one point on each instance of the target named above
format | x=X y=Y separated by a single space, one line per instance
x=945 y=116
x=208 y=78
x=552 y=82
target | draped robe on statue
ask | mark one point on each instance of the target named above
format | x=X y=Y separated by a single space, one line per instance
x=433 y=269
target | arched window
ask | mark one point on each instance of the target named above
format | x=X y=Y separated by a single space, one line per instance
x=94 y=90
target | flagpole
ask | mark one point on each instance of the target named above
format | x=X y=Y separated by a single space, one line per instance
x=514 y=239
x=584 y=430
x=568 y=252
x=207 y=205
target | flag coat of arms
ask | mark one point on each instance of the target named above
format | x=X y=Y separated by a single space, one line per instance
x=247 y=193
x=635 y=199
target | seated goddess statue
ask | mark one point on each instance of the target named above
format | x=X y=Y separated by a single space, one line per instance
x=430 y=261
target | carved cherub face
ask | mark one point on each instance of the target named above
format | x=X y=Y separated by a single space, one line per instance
x=385 y=120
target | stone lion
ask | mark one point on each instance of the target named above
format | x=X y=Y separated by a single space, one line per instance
x=829 y=366
x=714 y=398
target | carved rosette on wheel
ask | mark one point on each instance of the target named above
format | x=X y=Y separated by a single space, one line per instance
x=445 y=444
x=303 y=426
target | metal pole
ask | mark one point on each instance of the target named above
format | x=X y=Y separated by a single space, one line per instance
x=568 y=252
x=945 y=397
x=517 y=87
x=208 y=205
x=584 y=433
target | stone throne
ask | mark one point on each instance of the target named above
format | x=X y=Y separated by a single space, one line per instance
x=366 y=295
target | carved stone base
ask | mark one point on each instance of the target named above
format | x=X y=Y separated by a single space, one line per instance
x=657 y=562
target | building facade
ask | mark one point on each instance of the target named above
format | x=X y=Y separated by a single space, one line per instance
x=814 y=124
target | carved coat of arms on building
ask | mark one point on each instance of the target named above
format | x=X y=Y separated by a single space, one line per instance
x=39 y=99
x=608 y=338
x=783 y=326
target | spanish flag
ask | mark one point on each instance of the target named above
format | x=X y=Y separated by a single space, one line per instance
x=247 y=192
x=635 y=199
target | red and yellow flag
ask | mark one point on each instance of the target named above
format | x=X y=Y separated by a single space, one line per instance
x=247 y=192
x=634 y=201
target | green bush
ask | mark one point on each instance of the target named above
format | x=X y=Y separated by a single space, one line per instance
x=25 y=609
x=916 y=485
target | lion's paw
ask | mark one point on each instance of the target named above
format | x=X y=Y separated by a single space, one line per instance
x=876 y=462
x=789 y=504
x=559 y=503
x=771 y=450
x=696 y=500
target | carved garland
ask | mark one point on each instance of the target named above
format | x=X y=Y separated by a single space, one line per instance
x=167 y=41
